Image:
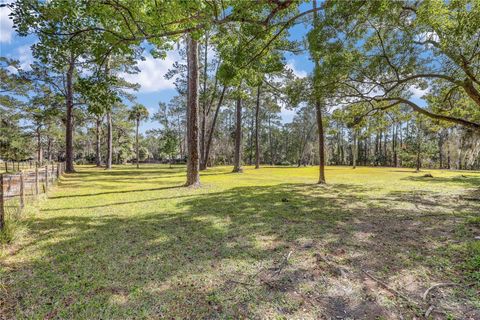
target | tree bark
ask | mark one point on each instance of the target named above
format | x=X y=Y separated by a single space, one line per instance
x=193 y=176
x=237 y=160
x=204 y=163
x=318 y=111
x=108 y=164
x=257 y=127
x=203 y=128
x=321 y=142
x=98 y=155
x=354 y=149
x=39 y=146
x=440 y=150
x=137 y=124
x=270 y=140
x=419 y=150
x=49 y=149
x=69 y=168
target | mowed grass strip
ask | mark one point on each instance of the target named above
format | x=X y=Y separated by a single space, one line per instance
x=268 y=243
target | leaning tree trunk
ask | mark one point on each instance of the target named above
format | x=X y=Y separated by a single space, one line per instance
x=108 y=164
x=69 y=121
x=206 y=156
x=98 y=156
x=193 y=163
x=237 y=160
x=136 y=142
x=257 y=127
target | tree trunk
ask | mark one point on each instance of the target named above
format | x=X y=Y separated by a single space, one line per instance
x=419 y=149
x=193 y=165
x=203 y=128
x=108 y=164
x=394 y=145
x=318 y=110
x=49 y=149
x=257 y=127
x=136 y=142
x=98 y=155
x=448 y=152
x=251 y=133
x=204 y=163
x=69 y=121
x=321 y=142
x=39 y=146
x=237 y=160
x=440 y=150
x=270 y=140
x=354 y=149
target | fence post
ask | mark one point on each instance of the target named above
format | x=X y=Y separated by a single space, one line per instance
x=36 y=179
x=46 y=178
x=6 y=166
x=2 y=210
x=22 y=190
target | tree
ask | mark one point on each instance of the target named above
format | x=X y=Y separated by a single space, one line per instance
x=169 y=144
x=137 y=114
x=405 y=46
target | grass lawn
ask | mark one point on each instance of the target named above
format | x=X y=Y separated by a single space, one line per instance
x=265 y=244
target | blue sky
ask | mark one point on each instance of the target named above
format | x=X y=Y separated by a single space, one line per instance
x=153 y=86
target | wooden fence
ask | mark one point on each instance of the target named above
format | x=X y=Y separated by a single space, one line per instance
x=18 y=188
x=16 y=166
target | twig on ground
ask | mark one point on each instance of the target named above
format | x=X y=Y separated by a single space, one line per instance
x=386 y=286
x=438 y=285
x=283 y=264
x=429 y=310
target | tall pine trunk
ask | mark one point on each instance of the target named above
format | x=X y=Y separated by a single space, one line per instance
x=203 y=128
x=354 y=149
x=419 y=151
x=108 y=164
x=257 y=127
x=69 y=121
x=237 y=160
x=39 y=146
x=137 y=124
x=321 y=142
x=270 y=140
x=98 y=155
x=193 y=162
x=318 y=111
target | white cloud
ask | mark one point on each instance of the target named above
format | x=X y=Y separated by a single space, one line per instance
x=25 y=57
x=152 y=71
x=286 y=114
x=418 y=92
x=299 y=73
x=6 y=25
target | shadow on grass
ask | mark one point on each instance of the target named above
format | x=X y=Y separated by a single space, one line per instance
x=181 y=264
x=113 y=192
x=468 y=180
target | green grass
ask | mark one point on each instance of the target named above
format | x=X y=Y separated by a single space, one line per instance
x=131 y=243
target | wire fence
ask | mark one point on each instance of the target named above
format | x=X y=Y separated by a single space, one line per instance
x=16 y=189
